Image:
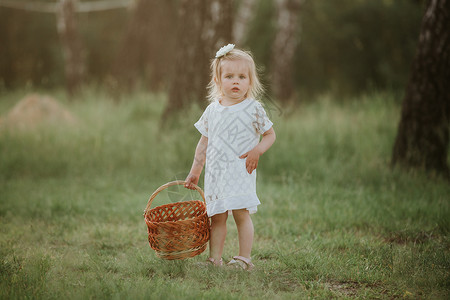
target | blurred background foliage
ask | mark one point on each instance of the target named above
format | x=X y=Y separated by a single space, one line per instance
x=345 y=47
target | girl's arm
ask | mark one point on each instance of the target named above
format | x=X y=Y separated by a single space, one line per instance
x=253 y=155
x=197 y=165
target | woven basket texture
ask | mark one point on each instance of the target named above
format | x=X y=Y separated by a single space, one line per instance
x=177 y=230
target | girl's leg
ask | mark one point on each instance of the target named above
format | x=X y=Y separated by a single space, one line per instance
x=245 y=231
x=218 y=234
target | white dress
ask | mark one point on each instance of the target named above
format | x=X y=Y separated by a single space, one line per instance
x=231 y=132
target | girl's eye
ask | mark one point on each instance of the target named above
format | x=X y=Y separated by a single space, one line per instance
x=242 y=77
x=228 y=76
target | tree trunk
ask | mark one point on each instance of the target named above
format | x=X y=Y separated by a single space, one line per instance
x=423 y=132
x=204 y=25
x=73 y=50
x=147 y=47
x=283 y=49
x=241 y=22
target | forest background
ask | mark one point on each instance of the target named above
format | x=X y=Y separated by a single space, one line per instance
x=345 y=47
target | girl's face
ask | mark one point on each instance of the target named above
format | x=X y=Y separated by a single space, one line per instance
x=234 y=80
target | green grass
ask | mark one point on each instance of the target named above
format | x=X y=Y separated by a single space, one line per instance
x=335 y=220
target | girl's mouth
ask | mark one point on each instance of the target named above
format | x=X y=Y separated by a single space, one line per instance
x=235 y=89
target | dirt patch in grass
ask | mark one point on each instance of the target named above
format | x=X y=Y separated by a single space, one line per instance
x=353 y=288
x=406 y=237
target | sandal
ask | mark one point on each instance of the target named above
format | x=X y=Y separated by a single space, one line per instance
x=211 y=262
x=241 y=262
x=215 y=262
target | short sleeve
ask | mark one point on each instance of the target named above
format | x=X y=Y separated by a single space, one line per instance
x=202 y=123
x=262 y=122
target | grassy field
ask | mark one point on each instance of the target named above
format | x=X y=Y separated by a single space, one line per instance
x=335 y=220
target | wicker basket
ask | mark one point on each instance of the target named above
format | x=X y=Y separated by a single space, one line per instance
x=177 y=230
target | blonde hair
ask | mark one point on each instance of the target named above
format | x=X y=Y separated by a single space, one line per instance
x=255 y=89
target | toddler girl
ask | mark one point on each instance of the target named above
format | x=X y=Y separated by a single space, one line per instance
x=230 y=145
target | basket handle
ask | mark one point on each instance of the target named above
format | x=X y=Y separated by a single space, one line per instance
x=164 y=186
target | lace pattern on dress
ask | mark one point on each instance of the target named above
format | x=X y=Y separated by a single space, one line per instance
x=262 y=122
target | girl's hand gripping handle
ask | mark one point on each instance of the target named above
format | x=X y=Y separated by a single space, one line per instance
x=197 y=165
x=191 y=179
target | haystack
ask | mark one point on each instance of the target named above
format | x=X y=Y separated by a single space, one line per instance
x=35 y=110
